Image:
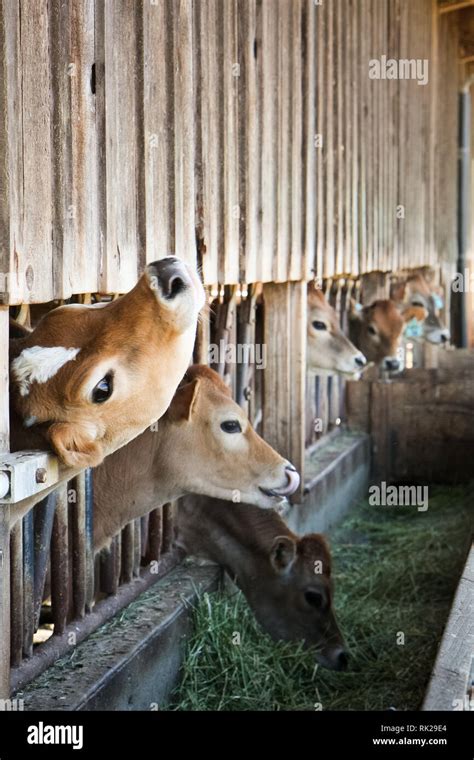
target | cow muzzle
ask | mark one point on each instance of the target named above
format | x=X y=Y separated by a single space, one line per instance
x=292 y=483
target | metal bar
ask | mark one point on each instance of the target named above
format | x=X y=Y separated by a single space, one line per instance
x=128 y=537
x=89 y=528
x=43 y=527
x=28 y=585
x=16 y=553
x=137 y=548
x=79 y=548
x=60 y=563
x=155 y=532
x=57 y=646
x=168 y=527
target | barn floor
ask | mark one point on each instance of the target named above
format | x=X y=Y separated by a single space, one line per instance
x=396 y=570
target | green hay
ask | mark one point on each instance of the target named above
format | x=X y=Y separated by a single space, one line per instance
x=395 y=569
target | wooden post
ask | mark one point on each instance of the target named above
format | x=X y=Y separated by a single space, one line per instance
x=4 y=517
x=285 y=372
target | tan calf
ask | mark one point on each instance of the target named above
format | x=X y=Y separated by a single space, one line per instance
x=415 y=291
x=329 y=351
x=286 y=578
x=377 y=331
x=90 y=378
x=203 y=444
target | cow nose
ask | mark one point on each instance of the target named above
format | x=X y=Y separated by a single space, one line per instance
x=172 y=276
x=392 y=364
x=444 y=337
x=360 y=360
x=342 y=660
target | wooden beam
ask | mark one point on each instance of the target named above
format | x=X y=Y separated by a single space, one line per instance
x=4 y=517
x=450 y=7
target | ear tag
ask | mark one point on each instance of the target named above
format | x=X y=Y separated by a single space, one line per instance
x=358 y=306
x=414 y=329
x=438 y=301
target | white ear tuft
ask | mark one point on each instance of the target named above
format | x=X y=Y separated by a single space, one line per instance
x=38 y=364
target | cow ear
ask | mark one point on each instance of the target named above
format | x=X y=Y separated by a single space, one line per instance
x=414 y=312
x=75 y=444
x=283 y=553
x=184 y=400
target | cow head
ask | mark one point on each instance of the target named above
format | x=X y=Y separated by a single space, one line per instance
x=214 y=450
x=92 y=378
x=292 y=599
x=416 y=293
x=377 y=331
x=328 y=349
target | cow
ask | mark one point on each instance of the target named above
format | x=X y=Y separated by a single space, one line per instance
x=377 y=330
x=285 y=578
x=329 y=351
x=204 y=444
x=414 y=290
x=88 y=379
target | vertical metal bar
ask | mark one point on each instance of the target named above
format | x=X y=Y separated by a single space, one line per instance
x=79 y=548
x=16 y=550
x=155 y=532
x=89 y=523
x=464 y=187
x=108 y=583
x=28 y=584
x=137 y=548
x=168 y=527
x=117 y=562
x=128 y=537
x=43 y=516
x=4 y=515
x=60 y=562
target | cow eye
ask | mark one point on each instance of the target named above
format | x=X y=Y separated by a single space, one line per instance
x=417 y=303
x=103 y=390
x=231 y=426
x=371 y=330
x=315 y=599
x=319 y=325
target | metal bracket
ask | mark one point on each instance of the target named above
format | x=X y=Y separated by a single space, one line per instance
x=26 y=473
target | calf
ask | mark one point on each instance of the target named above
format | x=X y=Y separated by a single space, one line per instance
x=88 y=379
x=285 y=578
x=203 y=444
x=413 y=290
x=377 y=330
x=328 y=349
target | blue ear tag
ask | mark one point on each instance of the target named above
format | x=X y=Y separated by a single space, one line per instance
x=358 y=306
x=438 y=301
x=414 y=329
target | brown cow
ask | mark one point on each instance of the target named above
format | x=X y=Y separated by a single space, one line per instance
x=91 y=378
x=414 y=290
x=203 y=444
x=286 y=578
x=328 y=349
x=377 y=330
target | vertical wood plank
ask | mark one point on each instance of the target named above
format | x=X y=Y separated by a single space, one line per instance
x=284 y=193
x=269 y=85
x=295 y=271
x=158 y=130
x=4 y=517
x=250 y=147
x=310 y=198
x=60 y=562
x=185 y=226
x=121 y=59
x=76 y=244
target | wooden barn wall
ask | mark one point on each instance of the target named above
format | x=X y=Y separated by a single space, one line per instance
x=249 y=131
